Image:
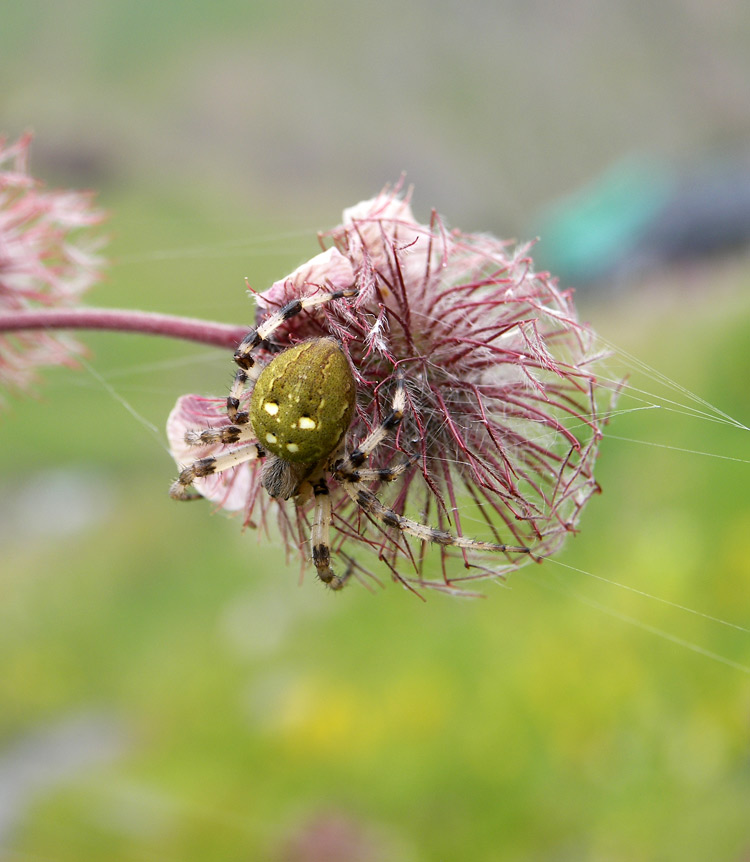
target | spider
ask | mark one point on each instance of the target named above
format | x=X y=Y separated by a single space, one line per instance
x=301 y=406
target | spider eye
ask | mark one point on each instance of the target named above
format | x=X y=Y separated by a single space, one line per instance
x=303 y=401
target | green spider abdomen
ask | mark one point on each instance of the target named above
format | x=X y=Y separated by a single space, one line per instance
x=303 y=402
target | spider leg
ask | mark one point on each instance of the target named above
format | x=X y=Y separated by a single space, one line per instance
x=351 y=478
x=249 y=370
x=210 y=465
x=380 y=474
x=227 y=434
x=321 y=537
x=369 y=503
x=345 y=470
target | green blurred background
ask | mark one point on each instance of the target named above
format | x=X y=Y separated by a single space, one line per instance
x=168 y=690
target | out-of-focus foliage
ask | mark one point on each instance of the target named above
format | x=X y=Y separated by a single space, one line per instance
x=492 y=108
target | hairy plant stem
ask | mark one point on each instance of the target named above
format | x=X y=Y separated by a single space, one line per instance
x=122 y=320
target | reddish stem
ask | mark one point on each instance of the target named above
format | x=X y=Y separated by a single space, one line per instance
x=119 y=320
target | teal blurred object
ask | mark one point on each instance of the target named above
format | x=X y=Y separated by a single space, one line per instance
x=643 y=215
x=582 y=234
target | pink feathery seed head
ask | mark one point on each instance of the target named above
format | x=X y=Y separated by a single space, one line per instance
x=48 y=259
x=504 y=413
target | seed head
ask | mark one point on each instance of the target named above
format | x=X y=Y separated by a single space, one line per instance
x=47 y=260
x=504 y=413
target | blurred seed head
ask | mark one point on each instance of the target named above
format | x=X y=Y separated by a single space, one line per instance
x=48 y=259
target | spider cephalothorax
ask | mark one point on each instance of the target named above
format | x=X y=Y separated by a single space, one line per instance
x=299 y=413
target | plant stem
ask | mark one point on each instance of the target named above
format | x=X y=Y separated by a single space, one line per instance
x=120 y=320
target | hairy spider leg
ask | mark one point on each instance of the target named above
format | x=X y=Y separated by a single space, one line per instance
x=320 y=537
x=210 y=465
x=369 y=503
x=352 y=478
x=227 y=434
x=346 y=469
x=348 y=472
x=249 y=370
x=379 y=474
